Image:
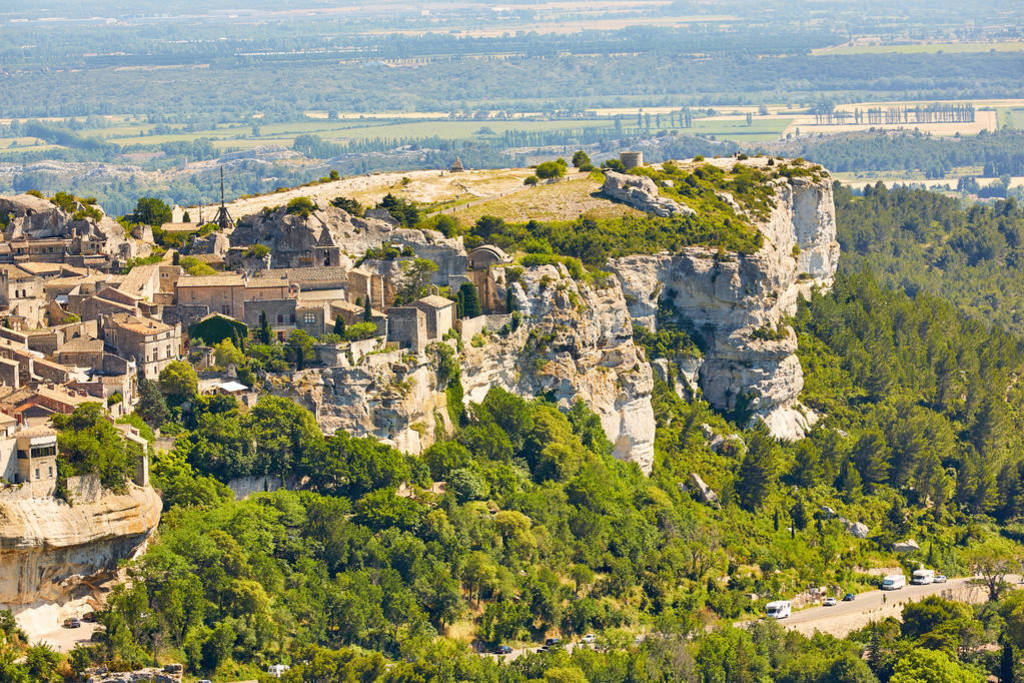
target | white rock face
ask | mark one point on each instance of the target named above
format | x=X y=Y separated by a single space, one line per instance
x=642 y=193
x=576 y=341
x=48 y=549
x=733 y=307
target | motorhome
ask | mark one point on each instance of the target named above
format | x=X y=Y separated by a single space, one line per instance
x=780 y=609
x=922 y=577
x=894 y=582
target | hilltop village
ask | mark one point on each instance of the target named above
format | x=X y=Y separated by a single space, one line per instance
x=378 y=330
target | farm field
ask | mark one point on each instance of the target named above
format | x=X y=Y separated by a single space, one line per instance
x=921 y=48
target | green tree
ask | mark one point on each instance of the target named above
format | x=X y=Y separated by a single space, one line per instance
x=90 y=444
x=993 y=559
x=932 y=666
x=151 y=211
x=152 y=407
x=469 y=301
x=580 y=159
x=179 y=382
x=549 y=169
x=339 y=325
x=757 y=471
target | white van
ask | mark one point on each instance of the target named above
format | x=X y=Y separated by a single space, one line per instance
x=922 y=577
x=894 y=582
x=277 y=670
x=780 y=609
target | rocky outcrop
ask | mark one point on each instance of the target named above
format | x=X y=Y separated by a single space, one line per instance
x=394 y=397
x=641 y=193
x=29 y=217
x=575 y=342
x=51 y=551
x=735 y=306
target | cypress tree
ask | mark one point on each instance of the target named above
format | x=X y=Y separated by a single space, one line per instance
x=339 y=325
x=367 y=310
x=470 y=300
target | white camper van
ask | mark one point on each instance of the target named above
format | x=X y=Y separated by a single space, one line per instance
x=922 y=577
x=780 y=609
x=894 y=582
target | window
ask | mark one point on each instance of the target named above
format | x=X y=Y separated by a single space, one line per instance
x=37 y=473
x=309 y=318
x=168 y=350
x=280 y=319
x=50 y=474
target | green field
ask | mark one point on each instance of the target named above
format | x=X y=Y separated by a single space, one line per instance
x=129 y=132
x=1010 y=118
x=920 y=48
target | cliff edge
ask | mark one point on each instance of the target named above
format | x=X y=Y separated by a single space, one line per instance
x=51 y=551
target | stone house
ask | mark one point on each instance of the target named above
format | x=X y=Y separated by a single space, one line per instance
x=151 y=343
x=37 y=455
x=439 y=313
x=407 y=325
x=231 y=295
x=363 y=283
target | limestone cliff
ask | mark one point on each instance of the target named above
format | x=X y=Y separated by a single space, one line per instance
x=573 y=339
x=575 y=342
x=735 y=306
x=51 y=551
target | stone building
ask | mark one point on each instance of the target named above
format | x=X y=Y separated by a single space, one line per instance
x=439 y=313
x=231 y=295
x=487 y=255
x=407 y=325
x=151 y=343
x=37 y=455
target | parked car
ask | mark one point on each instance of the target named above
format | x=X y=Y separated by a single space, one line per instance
x=849 y=597
x=940 y=578
x=173 y=668
x=276 y=670
x=97 y=636
x=503 y=650
x=589 y=638
x=72 y=623
x=543 y=648
x=204 y=680
x=89 y=616
x=829 y=602
x=552 y=641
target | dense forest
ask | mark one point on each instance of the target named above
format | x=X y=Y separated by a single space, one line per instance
x=920 y=241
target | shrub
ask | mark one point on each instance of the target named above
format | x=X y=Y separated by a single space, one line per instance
x=301 y=206
x=530 y=180
x=550 y=169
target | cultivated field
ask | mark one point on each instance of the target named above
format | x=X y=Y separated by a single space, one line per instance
x=918 y=48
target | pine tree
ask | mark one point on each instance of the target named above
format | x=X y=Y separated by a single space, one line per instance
x=367 y=310
x=339 y=325
x=871 y=456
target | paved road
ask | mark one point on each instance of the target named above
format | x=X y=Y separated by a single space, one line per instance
x=875 y=605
